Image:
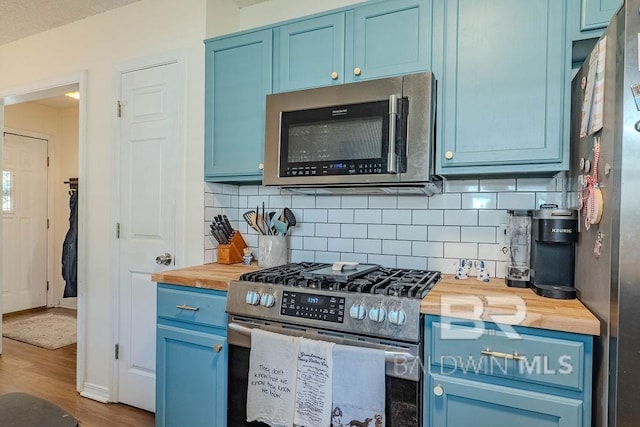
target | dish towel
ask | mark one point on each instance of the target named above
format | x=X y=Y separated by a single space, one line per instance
x=314 y=385
x=271 y=388
x=358 y=386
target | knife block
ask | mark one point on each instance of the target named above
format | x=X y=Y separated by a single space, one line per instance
x=232 y=252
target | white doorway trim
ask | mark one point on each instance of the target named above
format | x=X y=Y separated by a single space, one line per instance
x=178 y=57
x=50 y=197
x=43 y=89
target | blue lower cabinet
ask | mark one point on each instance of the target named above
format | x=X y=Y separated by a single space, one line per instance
x=488 y=374
x=191 y=357
x=457 y=402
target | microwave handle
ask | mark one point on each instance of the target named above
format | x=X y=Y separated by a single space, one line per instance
x=392 y=159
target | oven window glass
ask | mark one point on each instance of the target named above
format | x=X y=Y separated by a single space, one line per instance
x=346 y=139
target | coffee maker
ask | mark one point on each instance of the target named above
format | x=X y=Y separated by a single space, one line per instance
x=554 y=233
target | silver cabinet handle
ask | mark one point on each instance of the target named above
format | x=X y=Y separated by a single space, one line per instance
x=164 y=259
x=392 y=160
x=187 y=307
x=448 y=155
x=389 y=356
x=217 y=348
x=357 y=71
x=514 y=356
x=334 y=75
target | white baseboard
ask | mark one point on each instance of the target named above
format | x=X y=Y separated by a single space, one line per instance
x=95 y=392
x=71 y=303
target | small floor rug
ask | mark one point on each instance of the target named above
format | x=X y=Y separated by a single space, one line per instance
x=47 y=330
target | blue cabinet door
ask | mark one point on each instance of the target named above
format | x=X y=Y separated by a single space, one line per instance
x=456 y=402
x=311 y=53
x=500 y=67
x=388 y=38
x=597 y=13
x=238 y=78
x=191 y=384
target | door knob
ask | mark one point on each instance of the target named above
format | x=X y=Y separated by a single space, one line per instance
x=164 y=259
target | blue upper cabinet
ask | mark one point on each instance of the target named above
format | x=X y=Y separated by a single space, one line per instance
x=388 y=38
x=376 y=40
x=501 y=71
x=238 y=78
x=311 y=53
x=597 y=13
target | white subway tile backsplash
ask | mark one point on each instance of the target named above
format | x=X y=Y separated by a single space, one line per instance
x=416 y=263
x=396 y=247
x=384 y=202
x=461 y=250
x=412 y=202
x=428 y=217
x=443 y=234
x=327 y=230
x=396 y=216
x=367 y=246
x=404 y=231
x=340 y=245
x=461 y=186
x=328 y=202
x=303 y=202
x=478 y=234
x=427 y=249
x=516 y=201
x=342 y=216
x=314 y=215
x=355 y=202
x=497 y=185
x=445 y=201
x=381 y=231
x=479 y=200
x=367 y=216
x=411 y=232
x=386 y=260
x=358 y=231
x=315 y=244
x=461 y=217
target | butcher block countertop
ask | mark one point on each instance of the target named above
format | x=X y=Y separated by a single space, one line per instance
x=496 y=302
x=211 y=276
x=465 y=299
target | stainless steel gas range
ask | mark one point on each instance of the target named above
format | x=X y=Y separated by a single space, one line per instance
x=359 y=304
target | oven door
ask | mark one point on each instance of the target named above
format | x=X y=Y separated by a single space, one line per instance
x=403 y=389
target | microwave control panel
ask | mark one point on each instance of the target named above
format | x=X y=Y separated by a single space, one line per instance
x=337 y=168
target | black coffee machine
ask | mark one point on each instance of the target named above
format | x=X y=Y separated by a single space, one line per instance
x=554 y=233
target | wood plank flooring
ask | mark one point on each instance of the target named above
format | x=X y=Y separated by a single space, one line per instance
x=51 y=375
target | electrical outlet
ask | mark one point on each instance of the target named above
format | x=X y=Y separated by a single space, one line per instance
x=503 y=243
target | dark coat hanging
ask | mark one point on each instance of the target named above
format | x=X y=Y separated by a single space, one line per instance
x=70 y=249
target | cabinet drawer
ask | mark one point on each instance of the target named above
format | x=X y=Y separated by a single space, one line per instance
x=470 y=350
x=192 y=306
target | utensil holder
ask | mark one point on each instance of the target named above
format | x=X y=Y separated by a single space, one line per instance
x=272 y=251
x=232 y=252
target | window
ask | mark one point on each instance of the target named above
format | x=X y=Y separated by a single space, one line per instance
x=7 y=191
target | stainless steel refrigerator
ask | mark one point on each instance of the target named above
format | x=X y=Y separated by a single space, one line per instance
x=605 y=184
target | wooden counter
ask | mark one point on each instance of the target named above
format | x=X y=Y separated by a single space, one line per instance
x=496 y=302
x=212 y=276
x=465 y=299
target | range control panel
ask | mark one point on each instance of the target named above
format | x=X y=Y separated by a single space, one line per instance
x=312 y=306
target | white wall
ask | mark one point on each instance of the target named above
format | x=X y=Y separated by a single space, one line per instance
x=61 y=125
x=99 y=44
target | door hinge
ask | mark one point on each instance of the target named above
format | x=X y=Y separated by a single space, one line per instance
x=47 y=223
x=47 y=285
x=117 y=351
x=119 y=109
x=47 y=161
x=117 y=230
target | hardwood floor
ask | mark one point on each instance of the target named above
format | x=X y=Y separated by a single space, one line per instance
x=51 y=375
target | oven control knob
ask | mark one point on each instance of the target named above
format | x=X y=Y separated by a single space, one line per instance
x=357 y=311
x=267 y=300
x=377 y=314
x=252 y=298
x=397 y=316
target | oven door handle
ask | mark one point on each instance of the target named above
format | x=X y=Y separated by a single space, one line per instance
x=389 y=356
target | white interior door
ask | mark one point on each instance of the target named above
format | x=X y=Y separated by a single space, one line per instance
x=148 y=169
x=24 y=222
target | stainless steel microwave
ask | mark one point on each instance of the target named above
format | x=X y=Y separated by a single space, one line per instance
x=374 y=136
